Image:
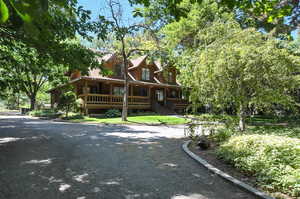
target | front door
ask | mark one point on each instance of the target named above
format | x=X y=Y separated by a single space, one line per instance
x=159 y=96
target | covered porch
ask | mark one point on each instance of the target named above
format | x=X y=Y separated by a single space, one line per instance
x=107 y=93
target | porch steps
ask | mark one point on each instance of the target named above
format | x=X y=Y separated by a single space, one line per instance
x=163 y=110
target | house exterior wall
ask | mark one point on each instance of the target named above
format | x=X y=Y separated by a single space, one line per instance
x=98 y=93
x=137 y=72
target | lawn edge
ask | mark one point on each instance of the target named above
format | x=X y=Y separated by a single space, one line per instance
x=104 y=123
x=222 y=174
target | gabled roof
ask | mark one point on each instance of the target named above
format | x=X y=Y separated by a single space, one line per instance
x=134 y=82
x=159 y=66
x=94 y=72
x=136 y=62
x=107 y=57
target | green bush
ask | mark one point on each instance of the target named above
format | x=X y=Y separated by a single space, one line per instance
x=222 y=134
x=45 y=113
x=74 y=117
x=274 y=160
x=111 y=113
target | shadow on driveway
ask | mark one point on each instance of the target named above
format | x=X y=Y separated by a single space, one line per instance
x=46 y=159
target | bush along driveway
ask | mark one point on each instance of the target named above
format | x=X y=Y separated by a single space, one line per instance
x=46 y=159
x=269 y=150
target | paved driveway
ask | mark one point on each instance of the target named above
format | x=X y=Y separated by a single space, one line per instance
x=42 y=159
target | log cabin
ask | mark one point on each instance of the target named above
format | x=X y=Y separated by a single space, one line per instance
x=151 y=87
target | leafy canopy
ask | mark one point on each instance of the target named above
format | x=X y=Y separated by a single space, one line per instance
x=239 y=67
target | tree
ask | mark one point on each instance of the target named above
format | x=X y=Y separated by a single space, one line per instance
x=23 y=70
x=121 y=32
x=48 y=26
x=278 y=16
x=67 y=102
x=241 y=67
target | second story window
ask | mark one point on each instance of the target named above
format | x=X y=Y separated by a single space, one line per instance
x=119 y=70
x=118 y=91
x=145 y=74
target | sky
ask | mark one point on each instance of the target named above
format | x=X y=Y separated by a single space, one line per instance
x=99 y=7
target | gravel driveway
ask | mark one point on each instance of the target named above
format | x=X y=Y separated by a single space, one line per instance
x=42 y=159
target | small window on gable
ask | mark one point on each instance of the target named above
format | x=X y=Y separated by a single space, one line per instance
x=170 y=77
x=145 y=74
x=173 y=94
x=118 y=91
x=119 y=70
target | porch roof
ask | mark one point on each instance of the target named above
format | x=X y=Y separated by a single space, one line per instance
x=108 y=79
x=131 y=81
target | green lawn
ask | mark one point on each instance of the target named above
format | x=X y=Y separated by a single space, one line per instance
x=145 y=119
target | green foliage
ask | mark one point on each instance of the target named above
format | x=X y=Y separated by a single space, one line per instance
x=24 y=70
x=74 y=117
x=49 y=113
x=44 y=19
x=67 y=102
x=3 y=12
x=222 y=135
x=224 y=67
x=38 y=40
x=268 y=15
x=274 y=160
x=111 y=113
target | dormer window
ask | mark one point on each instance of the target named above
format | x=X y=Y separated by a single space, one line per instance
x=170 y=77
x=145 y=74
x=119 y=70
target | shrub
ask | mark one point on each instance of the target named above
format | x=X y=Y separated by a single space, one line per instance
x=112 y=113
x=74 y=117
x=274 y=160
x=45 y=113
x=68 y=102
x=222 y=134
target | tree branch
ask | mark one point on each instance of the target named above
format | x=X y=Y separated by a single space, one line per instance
x=135 y=50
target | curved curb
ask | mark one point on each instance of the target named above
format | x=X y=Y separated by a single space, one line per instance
x=224 y=175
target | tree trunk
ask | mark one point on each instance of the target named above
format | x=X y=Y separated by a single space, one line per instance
x=125 y=101
x=67 y=112
x=126 y=83
x=242 y=115
x=18 y=101
x=32 y=102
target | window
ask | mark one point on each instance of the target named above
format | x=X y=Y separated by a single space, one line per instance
x=119 y=70
x=170 y=77
x=143 y=92
x=145 y=74
x=118 y=91
x=93 y=89
x=173 y=94
x=159 y=95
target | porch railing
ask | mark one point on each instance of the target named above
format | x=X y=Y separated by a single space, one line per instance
x=114 y=99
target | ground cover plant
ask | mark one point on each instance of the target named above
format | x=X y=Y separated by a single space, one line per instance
x=274 y=160
x=269 y=150
x=48 y=113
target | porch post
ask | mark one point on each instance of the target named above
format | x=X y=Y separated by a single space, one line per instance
x=165 y=99
x=52 y=99
x=110 y=93
x=85 y=91
x=149 y=92
x=131 y=91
